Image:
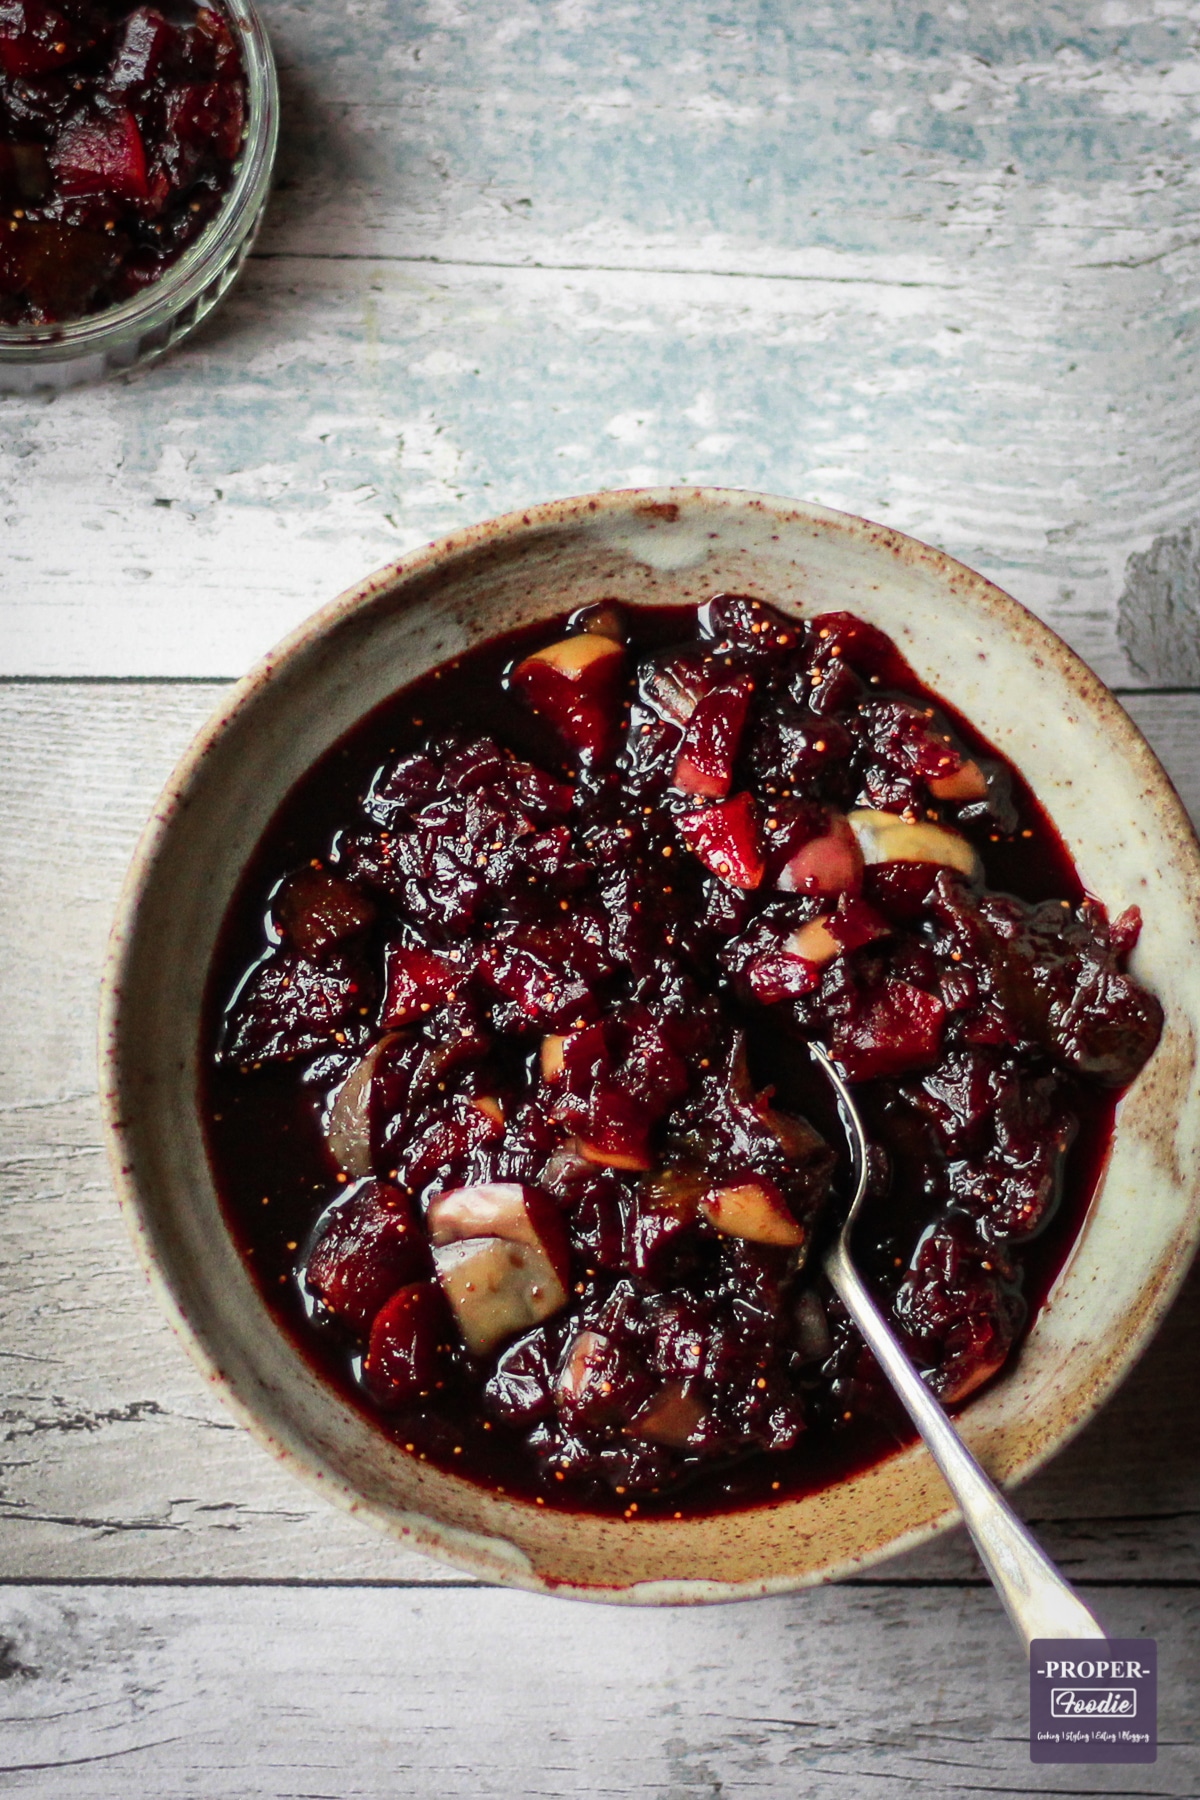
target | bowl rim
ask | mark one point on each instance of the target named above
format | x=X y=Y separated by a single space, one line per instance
x=443 y=1541
x=215 y=248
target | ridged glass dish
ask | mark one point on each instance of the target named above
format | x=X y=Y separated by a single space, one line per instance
x=59 y=356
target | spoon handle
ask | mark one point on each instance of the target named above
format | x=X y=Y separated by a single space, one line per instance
x=1037 y=1599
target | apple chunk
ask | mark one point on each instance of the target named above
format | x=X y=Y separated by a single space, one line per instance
x=348 y=1129
x=968 y=782
x=497 y=1288
x=755 y=1210
x=501 y=1209
x=575 y=686
x=885 y=837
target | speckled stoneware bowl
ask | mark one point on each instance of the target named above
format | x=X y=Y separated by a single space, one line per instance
x=1010 y=675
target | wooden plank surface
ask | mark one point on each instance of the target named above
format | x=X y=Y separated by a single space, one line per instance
x=355 y=1694
x=937 y=267
x=115 y=1459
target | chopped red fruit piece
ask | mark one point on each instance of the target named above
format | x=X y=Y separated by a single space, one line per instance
x=709 y=750
x=779 y=976
x=409 y=1347
x=55 y=270
x=726 y=840
x=142 y=45
x=1125 y=931
x=370 y=1246
x=34 y=38
x=575 y=686
x=753 y=1209
x=899 y=1029
x=419 y=979
x=101 y=153
x=854 y=923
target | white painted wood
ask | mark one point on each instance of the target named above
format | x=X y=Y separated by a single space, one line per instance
x=938 y=268
x=115 y=1460
x=365 y=1695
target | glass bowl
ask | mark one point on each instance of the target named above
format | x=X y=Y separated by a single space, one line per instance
x=110 y=342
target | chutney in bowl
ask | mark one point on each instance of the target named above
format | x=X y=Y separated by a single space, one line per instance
x=996 y=669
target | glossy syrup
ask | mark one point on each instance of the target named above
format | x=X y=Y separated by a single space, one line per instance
x=275 y=1176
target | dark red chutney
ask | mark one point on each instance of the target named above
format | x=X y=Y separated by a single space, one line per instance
x=505 y=1079
x=119 y=130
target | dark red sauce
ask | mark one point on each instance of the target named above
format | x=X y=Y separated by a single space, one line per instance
x=950 y=1006
x=119 y=130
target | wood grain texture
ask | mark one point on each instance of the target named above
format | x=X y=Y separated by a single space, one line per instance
x=364 y=1695
x=937 y=267
x=115 y=1459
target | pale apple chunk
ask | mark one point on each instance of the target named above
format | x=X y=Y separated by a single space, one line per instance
x=673 y=1418
x=572 y=655
x=755 y=1210
x=628 y=1160
x=884 y=837
x=501 y=1209
x=348 y=1128
x=813 y=943
x=496 y=1288
x=968 y=782
x=550 y=1056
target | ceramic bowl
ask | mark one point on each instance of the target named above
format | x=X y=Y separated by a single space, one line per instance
x=975 y=646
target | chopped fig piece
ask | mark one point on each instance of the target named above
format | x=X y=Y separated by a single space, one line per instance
x=885 y=837
x=827 y=865
x=550 y=1056
x=813 y=943
x=291 y=1007
x=501 y=1209
x=409 y=1347
x=709 y=750
x=316 y=909
x=755 y=1210
x=725 y=839
x=348 y=1131
x=968 y=782
x=575 y=686
x=371 y=1245
x=497 y=1288
x=673 y=1417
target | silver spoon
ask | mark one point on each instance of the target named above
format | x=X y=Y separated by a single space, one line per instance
x=1037 y=1599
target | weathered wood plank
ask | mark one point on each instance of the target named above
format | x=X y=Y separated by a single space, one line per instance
x=934 y=269
x=114 y=1457
x=257 y=1693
